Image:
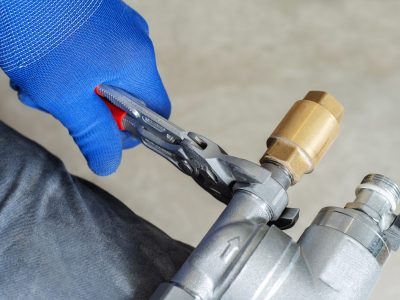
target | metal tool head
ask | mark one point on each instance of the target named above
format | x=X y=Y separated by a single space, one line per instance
x=205 y=161
x=188 y=151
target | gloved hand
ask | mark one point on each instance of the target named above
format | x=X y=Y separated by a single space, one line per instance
x=57 y=51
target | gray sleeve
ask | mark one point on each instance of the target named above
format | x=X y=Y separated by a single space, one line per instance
x=62 y=237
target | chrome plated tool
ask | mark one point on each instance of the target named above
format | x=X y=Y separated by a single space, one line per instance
x=195 y=155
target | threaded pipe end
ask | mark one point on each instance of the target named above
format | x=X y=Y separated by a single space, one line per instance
x=383 y=185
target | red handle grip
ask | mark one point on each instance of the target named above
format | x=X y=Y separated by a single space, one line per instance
x=117 y=113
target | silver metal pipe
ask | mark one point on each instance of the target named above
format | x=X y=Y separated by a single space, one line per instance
x=229 y=242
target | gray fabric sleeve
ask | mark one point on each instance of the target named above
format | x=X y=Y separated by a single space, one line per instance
x=62 y=237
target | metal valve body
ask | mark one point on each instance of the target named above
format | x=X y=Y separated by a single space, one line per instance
x=340 y=256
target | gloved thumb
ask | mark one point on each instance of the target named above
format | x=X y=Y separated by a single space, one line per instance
x=93 y=129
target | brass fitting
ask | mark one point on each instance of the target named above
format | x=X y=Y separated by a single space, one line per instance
x=304 y=135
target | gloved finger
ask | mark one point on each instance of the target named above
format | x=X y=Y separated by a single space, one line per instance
x=138 y=20
x=146 y=86
x=23 y=97
x=128 y=141
x=94 y=130
x=150 y=91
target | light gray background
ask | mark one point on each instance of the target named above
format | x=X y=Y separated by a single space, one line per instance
x=232 y=69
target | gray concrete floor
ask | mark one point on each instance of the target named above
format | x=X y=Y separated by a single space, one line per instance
x=232 y=69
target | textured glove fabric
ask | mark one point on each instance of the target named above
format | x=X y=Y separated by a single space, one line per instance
x=57 y=51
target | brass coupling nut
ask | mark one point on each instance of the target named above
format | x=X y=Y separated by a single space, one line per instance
x=304 y=135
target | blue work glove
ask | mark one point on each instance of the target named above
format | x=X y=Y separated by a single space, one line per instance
x=57 y=51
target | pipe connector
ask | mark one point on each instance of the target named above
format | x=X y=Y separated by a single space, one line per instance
x=305 y=134
x=378 y=197
x=383 y=185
